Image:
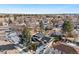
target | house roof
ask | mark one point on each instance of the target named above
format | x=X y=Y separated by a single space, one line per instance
x=66 y=48
x=46 y=39
x=55 y=33
x=39 y=35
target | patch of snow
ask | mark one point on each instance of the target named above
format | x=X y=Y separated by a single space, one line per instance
x=13 y=36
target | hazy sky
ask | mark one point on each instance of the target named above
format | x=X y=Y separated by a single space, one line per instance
x=39 y=8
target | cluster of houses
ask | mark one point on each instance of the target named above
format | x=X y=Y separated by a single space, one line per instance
x=11 y=25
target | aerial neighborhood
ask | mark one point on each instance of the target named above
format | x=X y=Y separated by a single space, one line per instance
x=39 y=33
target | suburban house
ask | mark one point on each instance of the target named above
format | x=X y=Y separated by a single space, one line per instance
x=41 y=38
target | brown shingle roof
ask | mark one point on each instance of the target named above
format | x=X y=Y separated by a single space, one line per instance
x=65 y=48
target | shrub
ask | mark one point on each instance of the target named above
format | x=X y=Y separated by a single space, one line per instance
x=56 y=38
x=33 y=46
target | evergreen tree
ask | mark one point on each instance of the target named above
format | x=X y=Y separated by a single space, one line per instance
x=41 y=26
x=10 y=21
x=26 y=36
x=67 y=27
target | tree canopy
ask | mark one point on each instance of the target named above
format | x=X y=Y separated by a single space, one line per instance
x=67 y=27
x=26 y=36
x=41 y=26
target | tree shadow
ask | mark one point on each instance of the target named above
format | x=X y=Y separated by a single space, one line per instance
x=7 y=47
